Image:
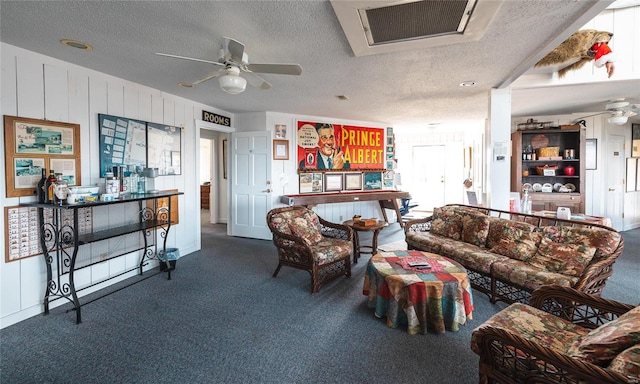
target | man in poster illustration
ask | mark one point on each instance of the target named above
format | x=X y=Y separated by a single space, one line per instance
x=328 y=154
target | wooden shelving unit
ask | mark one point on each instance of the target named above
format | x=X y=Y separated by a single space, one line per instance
x=554 y=137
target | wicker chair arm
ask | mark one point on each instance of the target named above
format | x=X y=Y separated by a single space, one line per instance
x=422 y=224
x=534 y=360
x=578 y=307
x=335 y=230
x=288 y=241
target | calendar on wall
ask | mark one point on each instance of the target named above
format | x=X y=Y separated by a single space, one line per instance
x=22 y=236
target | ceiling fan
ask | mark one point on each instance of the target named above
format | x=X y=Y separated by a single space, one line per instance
x=620 y=111
x=235 y=70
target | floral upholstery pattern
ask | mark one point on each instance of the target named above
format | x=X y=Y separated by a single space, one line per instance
x=307 y=227
x=568 y=259
x=534 y=325
x=602 y=344
x=471 y=256
x=605 y=242
x=516 y=240
x=329 y=249
x=447 y=222
x=428 y=241
x=475 y=227
x=526 y=275
x=627 y=362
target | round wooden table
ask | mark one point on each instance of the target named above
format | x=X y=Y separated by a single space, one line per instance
x=368 y=249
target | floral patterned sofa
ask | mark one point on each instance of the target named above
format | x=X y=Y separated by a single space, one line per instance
x=509 y=255
x=563 y=336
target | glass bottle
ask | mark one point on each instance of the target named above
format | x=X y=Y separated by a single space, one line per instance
x=49 y=186
x=61 y=189
x=525 y=203
x=40 y=192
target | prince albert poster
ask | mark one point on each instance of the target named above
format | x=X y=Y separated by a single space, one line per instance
x=359 y=147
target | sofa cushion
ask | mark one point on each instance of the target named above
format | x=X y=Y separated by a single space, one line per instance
x=330 y=249
x=534 y=325
x=568 y=259
x=427 y=241
x=307 y=227
x=627 y=362
x=447 y=222
x=605 y=241
x=514 y=239
x=522 y=274
x=470 y=256
x=604 y=343
x=475 y=227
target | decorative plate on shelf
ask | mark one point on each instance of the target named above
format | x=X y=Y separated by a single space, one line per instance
x=537 y=187
x=527 y=186
x=570 y=187
x=539 y=141
x=557 y=186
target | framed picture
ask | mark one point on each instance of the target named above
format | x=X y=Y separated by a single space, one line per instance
x=635 y=140
x=32 y=145
x=591 y=157
x=353 y=181
x=632 y=173
x=311 y=182
x=224 y=158
x=281 y=131
x=372 y=180
x=163 y=148
x=280 y=149
x=332 y=182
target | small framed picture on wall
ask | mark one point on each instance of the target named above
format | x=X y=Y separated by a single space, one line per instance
x=333 y=182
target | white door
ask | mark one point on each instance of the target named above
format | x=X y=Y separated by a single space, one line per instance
x=428 y=176
x=250 y=185
x=615 y=160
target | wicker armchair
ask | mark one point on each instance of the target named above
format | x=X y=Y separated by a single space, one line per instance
x=306 y=241
x=510 y=356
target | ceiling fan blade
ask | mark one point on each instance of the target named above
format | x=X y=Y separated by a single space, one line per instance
x=235 y=49
x=630 y=113
x=278 y=69
x=190 y=58
x=255 y=80
x=209 y=77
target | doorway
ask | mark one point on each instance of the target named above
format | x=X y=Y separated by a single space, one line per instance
x=428 y=181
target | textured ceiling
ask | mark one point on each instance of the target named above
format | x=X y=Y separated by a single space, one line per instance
x=413 y=87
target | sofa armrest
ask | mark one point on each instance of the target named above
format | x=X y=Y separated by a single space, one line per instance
x=422 y=224
x=335 y=230
x=509 y=358
x=588 y=311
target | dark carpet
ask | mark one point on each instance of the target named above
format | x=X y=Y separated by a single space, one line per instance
x=224 y=319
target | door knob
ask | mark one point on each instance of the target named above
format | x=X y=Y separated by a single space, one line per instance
x=267 y=190
x=611 y=189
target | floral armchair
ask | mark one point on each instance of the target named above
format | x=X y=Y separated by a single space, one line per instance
x=306 y=241
x=563 y=336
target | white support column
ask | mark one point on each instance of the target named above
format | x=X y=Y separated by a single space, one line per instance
x=498 y=149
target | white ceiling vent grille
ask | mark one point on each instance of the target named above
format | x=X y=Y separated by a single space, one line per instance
x=415 y=20
x=374 y=26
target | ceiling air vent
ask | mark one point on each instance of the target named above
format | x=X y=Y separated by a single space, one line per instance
x=380 y=26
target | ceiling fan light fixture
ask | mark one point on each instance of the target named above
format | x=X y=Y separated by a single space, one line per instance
x=617 y=120
x=232 y=83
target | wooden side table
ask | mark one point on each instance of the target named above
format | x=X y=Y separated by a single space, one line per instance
x=368 y=249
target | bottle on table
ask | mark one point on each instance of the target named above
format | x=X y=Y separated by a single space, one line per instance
x=61 y=189
x=40 y=192
x=49 y=186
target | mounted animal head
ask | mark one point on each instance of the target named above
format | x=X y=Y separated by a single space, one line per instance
x=576 y=51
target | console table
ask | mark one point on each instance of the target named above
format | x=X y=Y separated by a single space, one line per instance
x=388 y=199
x=60 y=241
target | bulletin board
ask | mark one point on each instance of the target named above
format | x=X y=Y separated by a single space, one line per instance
x=123 y=142
x=32 y=145
x=163 y=148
